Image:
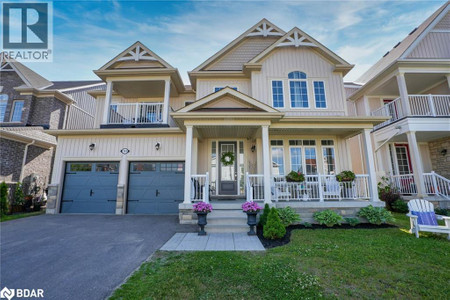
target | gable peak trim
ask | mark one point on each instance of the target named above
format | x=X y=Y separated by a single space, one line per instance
x=265 y=28
x=296 y=39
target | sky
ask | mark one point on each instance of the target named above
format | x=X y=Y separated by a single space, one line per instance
x=87 y=34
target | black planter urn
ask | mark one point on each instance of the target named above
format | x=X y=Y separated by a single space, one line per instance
x=251 y=221
x=202 y=222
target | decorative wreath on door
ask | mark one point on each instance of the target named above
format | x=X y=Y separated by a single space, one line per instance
x=227 y=158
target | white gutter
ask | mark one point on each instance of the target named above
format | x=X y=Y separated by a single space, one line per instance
x=387 y=140
x=25 y=159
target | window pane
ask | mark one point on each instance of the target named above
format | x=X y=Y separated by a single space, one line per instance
x=142 y=166
x=241 y=168
x=297 y=75
x=310 y=160
x=216 y=89
x=107 y=167
x=277 y=161
x=17 y=111
x=299 y=94
x=277 y=93
x=295 y=142
x=77 y=167
x=276 y=142
x=213 y=166
x=402 y=160
x=329 y=165
x=296 y=159
x=327 y=142
x=3 y=104
x=319 y=94
x=172 y=167
x=309 y=142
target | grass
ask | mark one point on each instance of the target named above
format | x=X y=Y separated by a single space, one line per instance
x=329 y=264
x=19 y=216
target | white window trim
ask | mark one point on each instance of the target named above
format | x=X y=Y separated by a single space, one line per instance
x=283 y=156
x=303 y=158
x=13 y=108
x=307 y=93
x=282 y=87
x=324 y=90
x=335 y=158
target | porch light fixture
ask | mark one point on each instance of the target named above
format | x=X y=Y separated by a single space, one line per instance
x=157 y=146
x=444 y=152
x=253 y=148
x=91 y=146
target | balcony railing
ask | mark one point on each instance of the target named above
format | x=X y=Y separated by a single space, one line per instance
x=420 y=106
x=136 y=113
x=200 y=187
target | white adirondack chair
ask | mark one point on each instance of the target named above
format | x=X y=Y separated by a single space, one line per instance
x=422 y=218
x=332 y=189
x=280 y=190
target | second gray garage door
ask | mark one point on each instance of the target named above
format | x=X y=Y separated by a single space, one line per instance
x=155 y=188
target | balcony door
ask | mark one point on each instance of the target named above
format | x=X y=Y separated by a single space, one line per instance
x=228 y=172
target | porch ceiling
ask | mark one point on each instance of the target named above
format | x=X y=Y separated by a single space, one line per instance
x=343 y=132
x=422 y=136
x=143 y=89
x=416 y=83
x=227 y=131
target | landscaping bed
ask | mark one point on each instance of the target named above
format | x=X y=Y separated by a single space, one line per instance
x=268 y=243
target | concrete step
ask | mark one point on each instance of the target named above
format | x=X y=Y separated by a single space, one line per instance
x=226 y=228
x=227 y=205
x=227 y=213
x=225 y=220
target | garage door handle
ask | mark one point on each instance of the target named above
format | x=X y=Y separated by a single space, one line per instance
x=178 y=201
x=111 y=200
x=91 y=193
x=67 y=201
x=157 y=193
x=133 y=200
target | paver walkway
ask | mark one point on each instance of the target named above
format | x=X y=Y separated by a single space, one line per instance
x=213 y=242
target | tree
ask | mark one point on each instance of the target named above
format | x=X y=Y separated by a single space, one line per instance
x=3 y=198
x=274 y=229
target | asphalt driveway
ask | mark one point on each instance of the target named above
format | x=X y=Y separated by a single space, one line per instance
x=79 y=256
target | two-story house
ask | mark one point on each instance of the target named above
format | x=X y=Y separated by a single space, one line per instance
x=268 y=103
x=410 y=84
x=29 y=103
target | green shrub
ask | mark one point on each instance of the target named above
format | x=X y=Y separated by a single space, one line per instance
x=345 y=176
x=442 y=211
x=3 y=198
x=352 y=221
x=328 y=218
x=274 y=229
x=288 y=216
x=19 y=198
x=399 y=206
x=376 y=215
x=264 y=215
x=387 y=193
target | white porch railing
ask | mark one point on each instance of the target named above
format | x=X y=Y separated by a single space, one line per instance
x=420 y=106
x=200 y=187
x=320 y=188
x=436 y=184
x=254 y=187
x=136 y=113
x=78 y=118
x=404 y=184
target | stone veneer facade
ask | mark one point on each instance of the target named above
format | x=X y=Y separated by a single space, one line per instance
x=440 y=163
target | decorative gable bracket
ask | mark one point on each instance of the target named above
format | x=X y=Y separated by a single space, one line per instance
x=265 y=30
x=296 y=40
x=137 y=54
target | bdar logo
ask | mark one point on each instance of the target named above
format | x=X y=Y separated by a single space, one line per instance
x=7 y=293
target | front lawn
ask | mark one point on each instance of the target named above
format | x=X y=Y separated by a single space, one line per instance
x=357 y=263
x=20 y=216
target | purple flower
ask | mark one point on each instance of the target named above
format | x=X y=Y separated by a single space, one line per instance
x=251 y=207
x=202 y=207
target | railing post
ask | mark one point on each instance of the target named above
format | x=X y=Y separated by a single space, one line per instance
x=319 y=180
x=435 y=185
x=136 y=113
x=431 y=104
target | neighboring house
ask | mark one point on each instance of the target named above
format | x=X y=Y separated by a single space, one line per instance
x=269 y=102
x=411 y=85
x=29 y=104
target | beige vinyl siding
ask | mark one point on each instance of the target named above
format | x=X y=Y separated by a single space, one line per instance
x=441 y=89
x=242 y=53
x=285 y=60
x=433 y=45
x=206 y=86
x=374 y=103
x=360 y=110
x=108 y=148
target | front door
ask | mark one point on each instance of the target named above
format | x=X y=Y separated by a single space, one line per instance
x=228 y=171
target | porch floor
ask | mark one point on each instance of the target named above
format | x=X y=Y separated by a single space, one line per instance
x=213 y=242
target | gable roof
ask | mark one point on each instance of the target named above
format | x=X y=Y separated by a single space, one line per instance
x=402 y=49
x=29 y=77
x=228 y=91
x=298 y=38
x=136 y=52
x=263 y=28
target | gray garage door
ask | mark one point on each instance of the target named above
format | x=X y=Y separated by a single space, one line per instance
x=155 y=187
x=90 y=187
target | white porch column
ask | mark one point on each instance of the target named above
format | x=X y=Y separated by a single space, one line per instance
x=416 y=162
x=188 y=165
x=401 y=81
x=266 y=163
x=194 y=155
x=166 y=101
x=107 y=104
x=370 y=165
x=121 y=201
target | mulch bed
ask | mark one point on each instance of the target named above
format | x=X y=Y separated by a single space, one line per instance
x=287 y=238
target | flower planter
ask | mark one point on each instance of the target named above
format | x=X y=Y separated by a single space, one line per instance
x=251 y=221
x=202 y=222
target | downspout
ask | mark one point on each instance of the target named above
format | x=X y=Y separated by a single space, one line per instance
x=25 y=153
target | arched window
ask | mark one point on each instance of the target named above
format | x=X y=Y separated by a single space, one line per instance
x=3 y=103
x=298 y=89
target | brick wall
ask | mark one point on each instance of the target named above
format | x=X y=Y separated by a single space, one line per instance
x=47 y=112
x=440 y=163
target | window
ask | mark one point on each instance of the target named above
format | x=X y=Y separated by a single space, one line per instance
x=213 y=166
x=277 y=161
x=327 y=142
x=319 y=94
x=295 y=142
x=17 y=111
x=277 y=93
x=296 y=159
x=402 y=160
x=172 y=167
x=309 y=142
x=142 y=166
x=218 y=88
x=310 y=160
x=107 y=167
x=329 y=164
x=80 y=167
x=3 y=103
x=276 y=143
x=298 y=89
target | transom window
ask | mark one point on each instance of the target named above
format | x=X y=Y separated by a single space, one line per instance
x=277 y=93
x=3 y=103
x=17 y=111
x=218 y=88
x=319 y=94
x=276 y=142
x=297 y=75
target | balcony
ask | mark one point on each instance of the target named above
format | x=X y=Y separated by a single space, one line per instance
x=135 y=115
x=419 y=106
